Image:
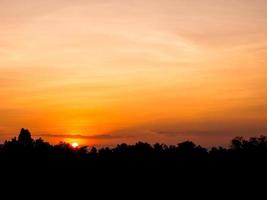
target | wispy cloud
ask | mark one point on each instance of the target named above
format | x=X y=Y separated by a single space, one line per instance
x=97 y=137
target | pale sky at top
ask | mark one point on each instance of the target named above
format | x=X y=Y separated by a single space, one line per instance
x=127 y=70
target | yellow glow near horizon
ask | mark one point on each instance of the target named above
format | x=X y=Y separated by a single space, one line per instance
x=127 y=70
x=74 y=145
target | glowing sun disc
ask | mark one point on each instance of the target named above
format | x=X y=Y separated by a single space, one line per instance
x=74 y=144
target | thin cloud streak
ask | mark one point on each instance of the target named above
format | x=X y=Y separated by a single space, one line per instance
x=97 y=137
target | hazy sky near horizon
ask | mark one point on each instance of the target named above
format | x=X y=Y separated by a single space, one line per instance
x=112 y=71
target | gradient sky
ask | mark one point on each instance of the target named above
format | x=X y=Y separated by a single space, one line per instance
x=102 y=72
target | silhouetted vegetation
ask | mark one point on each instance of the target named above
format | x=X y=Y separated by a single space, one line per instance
x=185 y=165
x=240 y=150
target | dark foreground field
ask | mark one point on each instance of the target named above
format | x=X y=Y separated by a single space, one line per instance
x=159 y=168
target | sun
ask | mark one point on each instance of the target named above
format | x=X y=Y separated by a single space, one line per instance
x=74 y=144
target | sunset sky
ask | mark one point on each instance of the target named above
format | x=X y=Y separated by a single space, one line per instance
x=102 y=72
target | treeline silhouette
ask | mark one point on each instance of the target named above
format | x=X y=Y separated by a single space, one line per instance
x=38 y=164
x=240 y=150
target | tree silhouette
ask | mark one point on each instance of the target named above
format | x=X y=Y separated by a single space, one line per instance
x=25 y=138
x=252 y=150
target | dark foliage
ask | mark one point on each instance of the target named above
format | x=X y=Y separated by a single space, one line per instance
x=128 y=167
x=240 y=149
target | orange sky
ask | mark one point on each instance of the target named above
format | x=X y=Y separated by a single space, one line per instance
x=105 y=72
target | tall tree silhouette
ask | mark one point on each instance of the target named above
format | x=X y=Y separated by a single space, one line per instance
x=25 y=138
